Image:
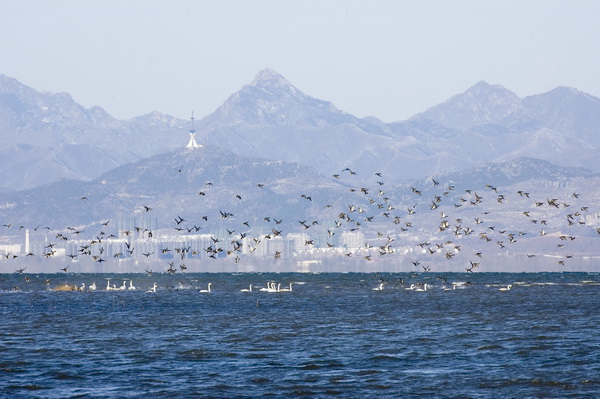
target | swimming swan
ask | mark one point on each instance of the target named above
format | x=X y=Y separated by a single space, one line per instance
x=272 y=287
x=379 y=288
x=153 y=289
x=507 y=288
x=422 y=289
x=247 y=289
x=131 y=287
x=268 y=288
x=287 y=289
x=208 y=288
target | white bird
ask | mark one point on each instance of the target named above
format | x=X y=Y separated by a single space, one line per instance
x=123 y=287
x=207 y=289
x=93 y=286
x=287 y=289
x=378 y=288
x=108 y=287
x=268 y=287
x=507 y=288
x=247 y=289
x=131 y=286
x=153 y=289
x=422 y=289
x=275 y=289
x=459 y=285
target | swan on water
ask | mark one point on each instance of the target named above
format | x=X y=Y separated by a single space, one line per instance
x=247 y=289
x=287 y=289
x=207 y=289
x=422 y=289
x=123 y=286
x=131 y=286
x=108 y=287
x=268 y=287
x=378 y=288
x=274 y=287
x=93 y=286
x=507 y=288
x=153 y=288
x=460 y=285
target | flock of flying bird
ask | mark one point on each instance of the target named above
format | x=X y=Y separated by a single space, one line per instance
x=377 y=212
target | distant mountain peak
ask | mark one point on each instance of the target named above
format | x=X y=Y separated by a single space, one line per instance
x=275 y=86
x=268 y=76
x=481 y=104
x=484 y=87
x=270 y=99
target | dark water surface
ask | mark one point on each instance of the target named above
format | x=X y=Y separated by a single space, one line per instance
x=332 y=335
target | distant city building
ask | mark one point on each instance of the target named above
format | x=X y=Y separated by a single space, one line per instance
x=352 y=240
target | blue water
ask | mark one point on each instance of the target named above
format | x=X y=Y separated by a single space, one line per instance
x=331 y=336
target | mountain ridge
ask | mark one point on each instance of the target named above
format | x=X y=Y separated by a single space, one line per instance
x=48 y=137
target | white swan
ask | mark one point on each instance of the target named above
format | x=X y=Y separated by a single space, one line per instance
x=123 y=286
x=507 y=288
x=153 y=289
x=131 y=287
x=268 y=287
x=207 y=289
x=287 y=289
x=93 y=286
x=82 y=287
x=379 y=288
x=108 y=287
x=460 y=285
x=422 y=289
x=247 y=289
x=274 y=288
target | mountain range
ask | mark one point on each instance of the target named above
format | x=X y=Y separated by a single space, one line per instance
x=273 y=160
x=49 y=136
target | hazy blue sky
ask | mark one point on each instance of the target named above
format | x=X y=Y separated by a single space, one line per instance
x=389 y=59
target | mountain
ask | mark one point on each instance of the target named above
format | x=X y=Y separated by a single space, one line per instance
x=205 y=181
x=272 y=119
x=509 y=211
x=187 y=183
x=491 y=124
x=49 y=136
x=566 y=110
x=272 y=100
x=481 y=105
x=519 y=171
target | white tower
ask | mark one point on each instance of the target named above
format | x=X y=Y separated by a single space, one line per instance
x=192 y=143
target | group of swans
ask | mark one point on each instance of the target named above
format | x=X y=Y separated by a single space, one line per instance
x=273 y=287
x=123 y=286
